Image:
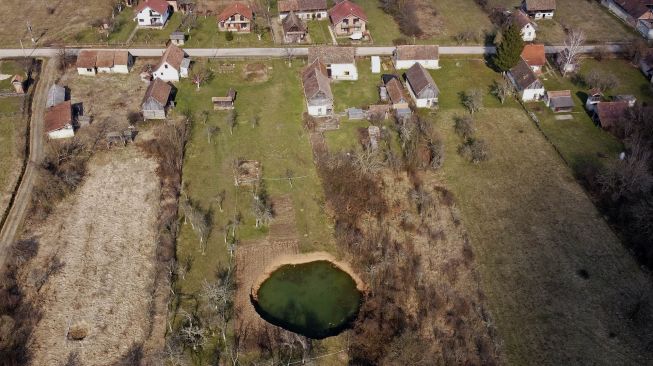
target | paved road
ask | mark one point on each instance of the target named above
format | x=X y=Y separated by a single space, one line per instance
x=282 y=52
x=24 y=192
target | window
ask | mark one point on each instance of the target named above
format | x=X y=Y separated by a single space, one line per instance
x=346 y=73
x=244 y=26
x=141 y=20
x=242 y=18
x=232 y=18
x=89 y=70
x=166 y=66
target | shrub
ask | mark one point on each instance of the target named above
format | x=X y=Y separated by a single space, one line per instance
x=464 y=126
x=474 y=150
x=229 y=36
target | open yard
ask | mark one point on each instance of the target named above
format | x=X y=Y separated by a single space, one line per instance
x=588 y=16
x=12 y=138
x=560 y=286
x=269 y=129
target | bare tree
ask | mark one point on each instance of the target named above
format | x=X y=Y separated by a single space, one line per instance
x=201 y=75
x=464 y=126
x=255 y=120
x=232 y=120
x=368 y=162
x=205 y=116
x=473 y=100
x=210 y=132
x=502 y=89
x=290 y=175
x=262 y=211
x=191 y=333
x=198 y=221
x=218 y=296
x=289 y=53
x=601 y=80
x=572 y=49
x=219 y=198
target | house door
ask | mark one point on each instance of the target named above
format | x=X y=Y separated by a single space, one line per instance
x=329 y=71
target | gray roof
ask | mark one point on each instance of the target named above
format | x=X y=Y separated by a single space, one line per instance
x=419 y=79
x=523 y=75
x=177 y=36
x=56 y=95
x=560 y=99
x=185 y=63
x=332 y=55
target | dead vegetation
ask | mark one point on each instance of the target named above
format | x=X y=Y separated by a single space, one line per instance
x=401 y=229
x=255 y=72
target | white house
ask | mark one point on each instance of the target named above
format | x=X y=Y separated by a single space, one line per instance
x=86 y=62
x=173 y=65
x=406 y=56
x=539 y=9
x=58 y=121
x=304 y=9
x=525 y=25
x=152 y=13
x=122 y=62
x=340 y=62
x=317 y=90
x=421 y=86
x=526 y=83
x=92 y=62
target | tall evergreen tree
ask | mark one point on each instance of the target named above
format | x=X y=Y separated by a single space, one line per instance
x=510 y=48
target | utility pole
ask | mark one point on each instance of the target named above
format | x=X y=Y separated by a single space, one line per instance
x=31 y=33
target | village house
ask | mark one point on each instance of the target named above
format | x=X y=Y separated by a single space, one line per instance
x=317 y=90
x=421 y=86
x=559 y=101
x=539 y=9
x=237 y=17
x=304 y=9
x=347 y=18
x=58 y=121
x=534 y=56
x=56 y=95
x=173 y=65
x=91 y=62
x=525 y=26
x=636 y=13
x=406 y=56
x=152 y=13
x=294 y=29
x=609 y=115
x=156 y=100
x=526 y=83
x=340 y=62
x=395 y=91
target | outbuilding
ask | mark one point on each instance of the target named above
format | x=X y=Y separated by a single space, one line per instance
x=559 y=101
x=156 y=100
x=56 y=95
x=340 y=62
x=421 y=86
x=528 y=86
x=58 y=121
x=406 y=56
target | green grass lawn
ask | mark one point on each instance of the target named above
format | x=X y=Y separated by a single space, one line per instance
x=279 y=143
x=359 y=93
x=10 y=123
x=458 y=16
x=91 y=35
x=10 y=67
x=588 y=16
x=157 y=37
x=319 y=31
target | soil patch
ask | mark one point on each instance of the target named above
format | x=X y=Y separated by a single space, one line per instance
x=256 y=72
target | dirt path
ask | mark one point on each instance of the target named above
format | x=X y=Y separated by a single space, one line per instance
x=20 y=204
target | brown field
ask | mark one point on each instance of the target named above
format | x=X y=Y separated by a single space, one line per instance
x=560 y=285
x=51 y=20
x=104 y=237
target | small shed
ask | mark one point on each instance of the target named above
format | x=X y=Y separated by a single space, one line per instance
x=355 y=113
x=402 y=113
x=18 y=83
x=177 y=38
x=56 y=95
x=559 y=101
x=631 y=99
x=376 y=64
x=383 y=93
x=594 y=97
x=224 y=103
x=156 y=100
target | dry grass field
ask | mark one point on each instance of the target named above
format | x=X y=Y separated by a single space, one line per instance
x=560 y=285
x=104 y=237
x=12 y=139
x=51 y=20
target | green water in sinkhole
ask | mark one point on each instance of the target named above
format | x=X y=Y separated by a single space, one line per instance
x=315 y=299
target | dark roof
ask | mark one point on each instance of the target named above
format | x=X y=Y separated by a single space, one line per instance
x=610 y=113
x=560 y=99
x=418 y=52
x=173 y=55
x=634 y=8
x=158 y=91
x=292 y=23
x=345 y=8
x=395 y=90
x=521 y=19
x=86 y=59
x=419 y=78
x=387 y=77
x=177 y=35
x=56 y=95
x=58 y=116
x=535 y=5
x=523 y=75
x=236 y=8
x=315 y=80
x=332 y=55
x=160 y=6
x=285 y=6
x=534 y=54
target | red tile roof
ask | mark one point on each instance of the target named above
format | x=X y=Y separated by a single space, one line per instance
x=160 y=6
x=86 y=59
x=58 y=116
x=611 y=113
x=344 y=9
x=236 y=8
x=158 y=91
x=534 y=55
x=173 y=56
